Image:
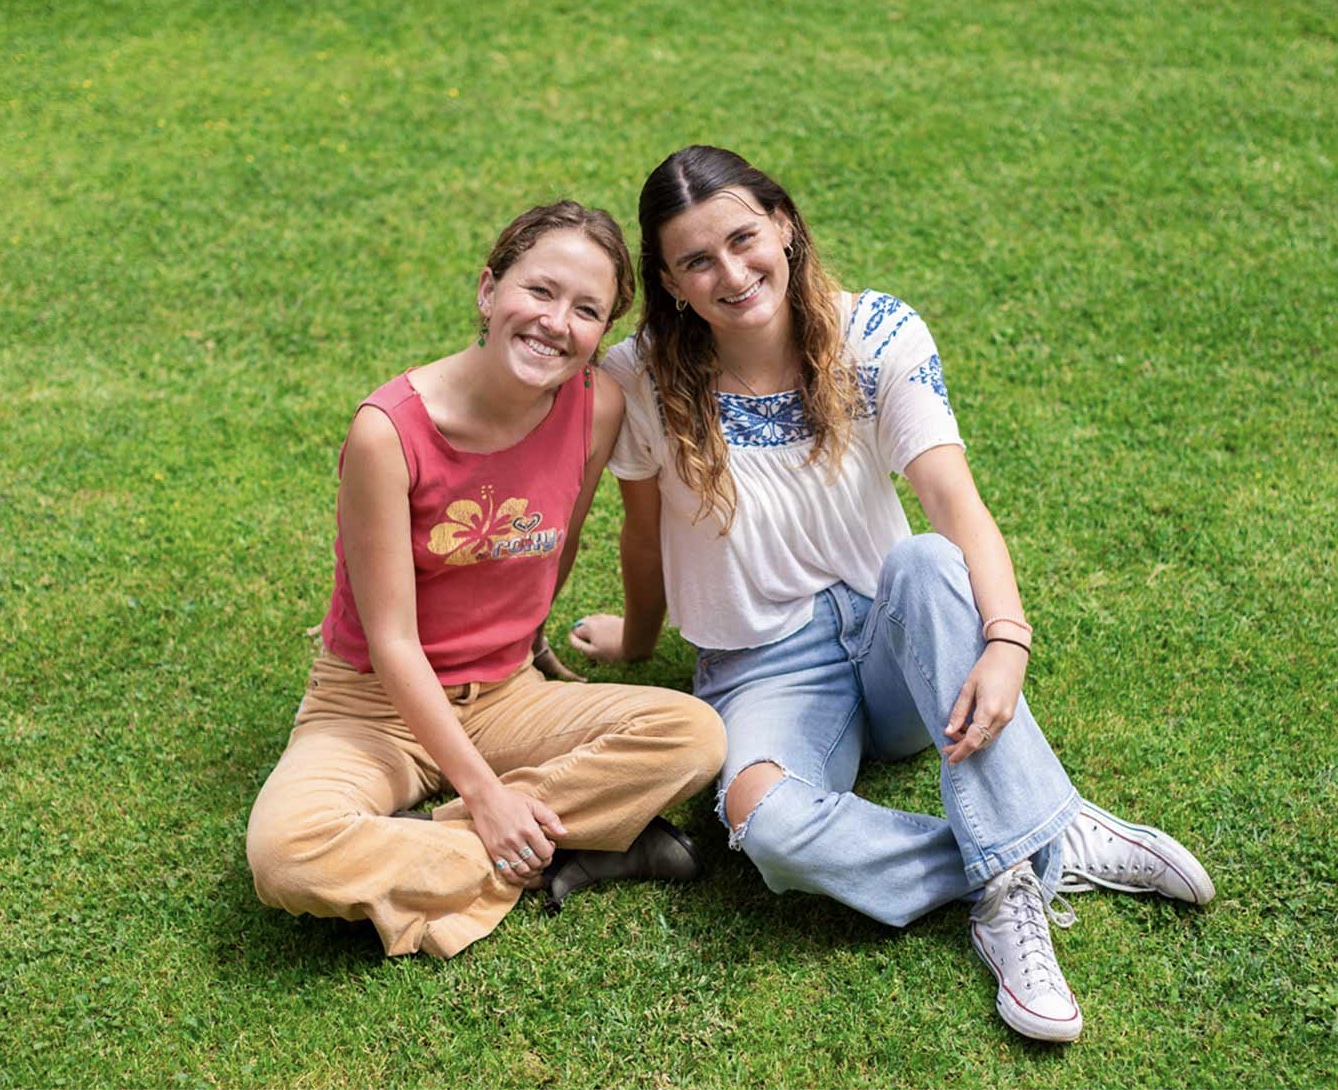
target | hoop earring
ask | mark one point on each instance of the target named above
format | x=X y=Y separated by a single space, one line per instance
x=680 y=304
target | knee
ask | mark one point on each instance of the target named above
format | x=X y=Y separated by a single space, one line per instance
x=711 y=744
x=769 y=814
x=776 y=833
x=280 y=850
x=921 y=553
x=747 y=790
x=921 y=568
x=272 y=856
x=700 y=734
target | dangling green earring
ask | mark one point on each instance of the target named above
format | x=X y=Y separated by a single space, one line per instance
x=587 y=376
x=483 y=335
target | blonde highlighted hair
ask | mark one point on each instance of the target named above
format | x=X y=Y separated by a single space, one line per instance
x=680 y=346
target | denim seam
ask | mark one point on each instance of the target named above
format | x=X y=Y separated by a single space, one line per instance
x=968 y=814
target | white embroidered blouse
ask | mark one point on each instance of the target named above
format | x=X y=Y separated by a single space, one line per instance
x=797 y=529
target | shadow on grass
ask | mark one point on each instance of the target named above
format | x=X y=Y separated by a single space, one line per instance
x=254 y=942
x=734 y=927
x=729 y=906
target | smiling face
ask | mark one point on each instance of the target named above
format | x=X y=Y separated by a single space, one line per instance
x=549 y=309
x=726 y=258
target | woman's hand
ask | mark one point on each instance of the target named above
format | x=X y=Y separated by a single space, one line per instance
x=548 y=664
x=987 y=701
x=600 y=637
x=517 y=829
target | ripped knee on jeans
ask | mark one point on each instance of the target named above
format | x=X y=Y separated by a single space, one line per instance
x=743 y=794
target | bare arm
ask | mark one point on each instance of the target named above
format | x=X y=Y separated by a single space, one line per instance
x=608 y=419
x=943 y=483
x=374 y=525
x=643 y=569
x=608 y=638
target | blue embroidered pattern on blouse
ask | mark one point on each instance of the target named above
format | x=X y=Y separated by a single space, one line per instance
x=778 y=420
x=887 y=315
x=773 y=421
x=931 y=374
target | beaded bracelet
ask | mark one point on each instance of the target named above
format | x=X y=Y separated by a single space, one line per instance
x=985 y=628
x=1015 y=643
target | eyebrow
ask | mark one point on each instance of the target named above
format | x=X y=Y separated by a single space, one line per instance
x=683 y=259
x=550 y=281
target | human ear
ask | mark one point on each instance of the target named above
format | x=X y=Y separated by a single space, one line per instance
x=487 y=286
x=667 y=282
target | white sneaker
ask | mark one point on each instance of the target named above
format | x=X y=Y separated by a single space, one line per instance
x=1100 y=849
x=1012 y=936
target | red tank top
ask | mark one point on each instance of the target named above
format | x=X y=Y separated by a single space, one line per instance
x=487 y=531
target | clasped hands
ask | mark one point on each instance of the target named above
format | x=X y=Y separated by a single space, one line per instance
x=519 y=832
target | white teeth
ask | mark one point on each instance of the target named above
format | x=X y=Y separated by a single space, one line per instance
x=541 y=348
x=744 y=294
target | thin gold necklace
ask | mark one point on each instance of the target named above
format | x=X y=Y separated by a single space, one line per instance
x=743 y=381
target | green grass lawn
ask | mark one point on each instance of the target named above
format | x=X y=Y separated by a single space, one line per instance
x=223 y=223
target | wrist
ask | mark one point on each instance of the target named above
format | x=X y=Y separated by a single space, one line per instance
x=639 y=641
x=1012 y=626
x=1006 y=642
x=637 y=650
x=477 y=791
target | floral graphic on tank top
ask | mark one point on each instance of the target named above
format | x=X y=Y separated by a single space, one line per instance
x=482 y=529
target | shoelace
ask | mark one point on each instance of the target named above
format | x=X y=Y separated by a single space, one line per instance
x=1030 y=911
x=1078 y=864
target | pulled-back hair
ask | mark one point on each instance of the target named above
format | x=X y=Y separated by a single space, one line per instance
x=596 y=224
x=680 y=346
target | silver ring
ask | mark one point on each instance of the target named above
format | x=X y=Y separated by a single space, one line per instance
x=516 y=864
x=526 y=852
x=985 y=733
x=501 y=864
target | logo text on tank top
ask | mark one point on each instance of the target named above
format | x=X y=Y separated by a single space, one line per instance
x=472 y=531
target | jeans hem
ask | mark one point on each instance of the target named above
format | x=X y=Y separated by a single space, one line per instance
x=998 y=860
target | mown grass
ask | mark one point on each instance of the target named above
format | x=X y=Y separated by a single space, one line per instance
x=223 y=223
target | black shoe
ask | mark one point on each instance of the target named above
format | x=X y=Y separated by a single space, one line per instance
x=660 y=852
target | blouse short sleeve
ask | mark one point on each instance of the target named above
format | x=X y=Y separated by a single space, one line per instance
x=890 y=340
x=640 y=450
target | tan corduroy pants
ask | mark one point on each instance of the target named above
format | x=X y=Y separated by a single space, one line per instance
x=606 y=758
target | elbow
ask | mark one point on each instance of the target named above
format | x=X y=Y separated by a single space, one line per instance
x=387 y=648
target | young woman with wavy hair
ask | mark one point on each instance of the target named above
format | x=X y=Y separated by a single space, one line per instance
x=766 y=413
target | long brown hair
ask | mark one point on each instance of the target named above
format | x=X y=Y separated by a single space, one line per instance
x=680 y=346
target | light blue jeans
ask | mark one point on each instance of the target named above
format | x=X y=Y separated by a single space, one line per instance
x=878 y=679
